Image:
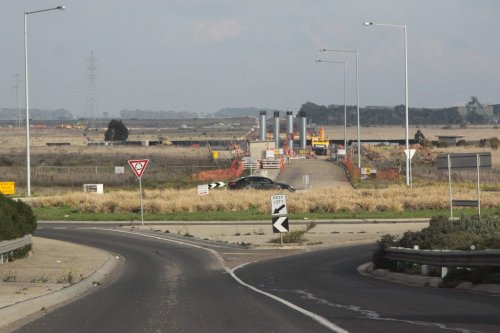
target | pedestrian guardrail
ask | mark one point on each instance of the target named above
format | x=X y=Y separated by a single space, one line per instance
x=271 y=164
x=445 y=258
x=6 y=247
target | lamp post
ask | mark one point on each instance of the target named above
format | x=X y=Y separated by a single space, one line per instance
x=345 y=107
x=28 y=168
x=407 y=152
x=357 y=97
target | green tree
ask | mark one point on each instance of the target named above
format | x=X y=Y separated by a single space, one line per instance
x=419 y=136
x=116 y=131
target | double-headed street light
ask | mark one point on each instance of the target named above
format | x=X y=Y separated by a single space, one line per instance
x=357 y=97
x=28 y=168
x=345 y=107
x=407 y=152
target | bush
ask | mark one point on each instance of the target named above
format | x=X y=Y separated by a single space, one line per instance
x=426 y=143
x=443 y=233
x=16 y=219
x=296 y=236
x=378 y=258
x=494 y=143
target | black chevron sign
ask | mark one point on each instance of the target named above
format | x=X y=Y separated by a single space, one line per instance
x=280 y=224
x=216 y=185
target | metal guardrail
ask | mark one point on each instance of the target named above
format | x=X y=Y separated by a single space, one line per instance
x=445 y=258
x=7 y=246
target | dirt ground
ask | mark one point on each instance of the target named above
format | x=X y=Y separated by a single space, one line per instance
x=55 y=264
x=51 y=266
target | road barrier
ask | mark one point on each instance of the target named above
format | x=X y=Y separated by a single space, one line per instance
x=6 y=247
x=445 y=258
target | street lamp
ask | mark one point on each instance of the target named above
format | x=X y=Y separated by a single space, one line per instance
x=357 y=97
x=345 y=107
x=28 y=169
x=407 y=151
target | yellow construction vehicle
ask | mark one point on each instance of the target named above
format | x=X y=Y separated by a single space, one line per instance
x=320 y=143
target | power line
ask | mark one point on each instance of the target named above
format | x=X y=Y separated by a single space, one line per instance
x=91 y=103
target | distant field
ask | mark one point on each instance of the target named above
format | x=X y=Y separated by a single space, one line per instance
x=473 y=133
x=173 y=166
x=59 y=168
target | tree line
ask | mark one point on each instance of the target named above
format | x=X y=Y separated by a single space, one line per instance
x=370 y=115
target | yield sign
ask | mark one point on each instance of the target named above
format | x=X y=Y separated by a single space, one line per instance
x=411 y=152
x=138 y=166
x=280 y=224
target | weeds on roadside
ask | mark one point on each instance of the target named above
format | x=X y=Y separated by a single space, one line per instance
x=9 y=278
x=41 y=279
x=66 y=278
x=296 y=236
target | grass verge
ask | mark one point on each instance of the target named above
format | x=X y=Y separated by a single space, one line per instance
x=70 y=214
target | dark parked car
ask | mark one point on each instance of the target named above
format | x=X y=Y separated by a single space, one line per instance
x=258 y=183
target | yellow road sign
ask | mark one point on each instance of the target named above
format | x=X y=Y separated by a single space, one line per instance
x=7 y=187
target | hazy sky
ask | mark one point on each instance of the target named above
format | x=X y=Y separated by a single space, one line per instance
x=202 y=55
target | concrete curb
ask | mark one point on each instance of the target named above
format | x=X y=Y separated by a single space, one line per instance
x=21 y=310
x=415 y=280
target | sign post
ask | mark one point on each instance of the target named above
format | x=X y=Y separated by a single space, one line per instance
x=138 y=166
x=464 y=161
x=279 y=212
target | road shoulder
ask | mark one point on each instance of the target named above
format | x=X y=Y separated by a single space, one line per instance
x=55 y=273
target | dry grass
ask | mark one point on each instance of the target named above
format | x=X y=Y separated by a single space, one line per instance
x=395 y=198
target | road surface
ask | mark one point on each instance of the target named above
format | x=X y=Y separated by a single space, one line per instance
x=171 y=283
x=322 y=173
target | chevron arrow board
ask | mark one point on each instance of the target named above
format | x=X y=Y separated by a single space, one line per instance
x=216 y=185
x=280 y=224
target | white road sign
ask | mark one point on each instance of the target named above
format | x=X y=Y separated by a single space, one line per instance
x=278 y=205
x=412 y=152
x=203 y=189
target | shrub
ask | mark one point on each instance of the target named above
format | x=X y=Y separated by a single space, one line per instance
x=426 y=143
x=16 y=219
x=494 y=143
x=460 y=234
x=296 y=236
x=378 y=258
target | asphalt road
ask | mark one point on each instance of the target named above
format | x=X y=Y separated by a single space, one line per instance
x=322 y=173
x=165 y=286
x=328 y=284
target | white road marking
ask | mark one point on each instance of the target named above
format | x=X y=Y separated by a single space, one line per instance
x=319 y=319
x=372 y=315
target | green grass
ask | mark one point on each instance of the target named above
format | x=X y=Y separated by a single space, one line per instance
x=70 y=214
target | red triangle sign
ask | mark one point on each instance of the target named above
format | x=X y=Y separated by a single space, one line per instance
x=138 y=166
